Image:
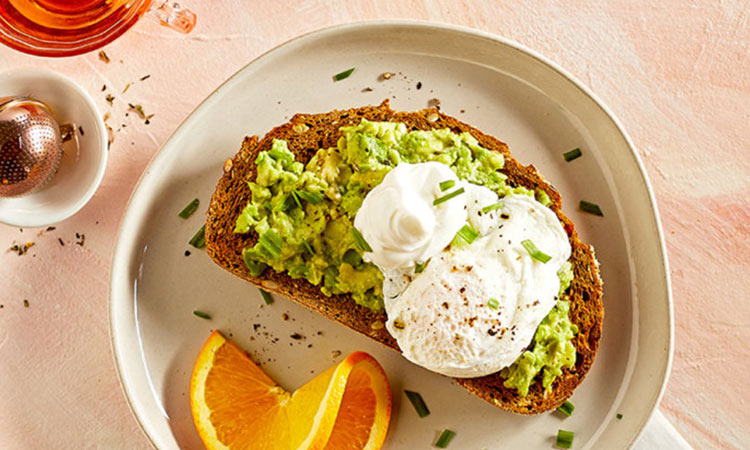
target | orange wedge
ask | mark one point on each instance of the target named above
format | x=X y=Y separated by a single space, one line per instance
x=235 y=405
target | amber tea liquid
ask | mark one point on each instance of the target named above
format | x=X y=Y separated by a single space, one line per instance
x=86 y=24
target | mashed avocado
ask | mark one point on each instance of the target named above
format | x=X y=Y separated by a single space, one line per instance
x=303 y=216
x=553 y=350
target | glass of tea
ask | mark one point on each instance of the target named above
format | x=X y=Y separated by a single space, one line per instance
x=72 y=27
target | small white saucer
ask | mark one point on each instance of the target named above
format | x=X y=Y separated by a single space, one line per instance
x=81 y=170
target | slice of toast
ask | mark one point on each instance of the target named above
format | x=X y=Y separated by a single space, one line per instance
x=305 y=134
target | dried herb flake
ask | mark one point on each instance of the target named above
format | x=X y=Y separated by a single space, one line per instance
x=103 y=56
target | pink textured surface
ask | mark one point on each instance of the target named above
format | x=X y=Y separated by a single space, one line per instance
x=675 y=72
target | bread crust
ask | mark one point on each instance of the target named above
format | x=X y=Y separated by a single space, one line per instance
x=322 y=131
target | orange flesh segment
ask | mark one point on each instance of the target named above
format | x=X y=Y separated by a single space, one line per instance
x=236 y=405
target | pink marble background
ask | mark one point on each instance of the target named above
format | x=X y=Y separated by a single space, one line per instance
x=676 y=72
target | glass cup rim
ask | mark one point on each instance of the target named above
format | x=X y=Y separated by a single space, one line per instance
x=24 y=42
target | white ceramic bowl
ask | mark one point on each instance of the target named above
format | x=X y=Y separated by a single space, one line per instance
x=80 y=171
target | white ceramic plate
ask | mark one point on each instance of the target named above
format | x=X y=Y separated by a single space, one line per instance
x=495 y=85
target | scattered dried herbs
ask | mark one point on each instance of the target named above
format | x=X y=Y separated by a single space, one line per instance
x=103 y=56
x=21 y=249
x=139 y=110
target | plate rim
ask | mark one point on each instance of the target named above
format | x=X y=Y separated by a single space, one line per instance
x=119 y=247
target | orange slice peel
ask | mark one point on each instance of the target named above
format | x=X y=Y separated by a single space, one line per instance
x=236 y=405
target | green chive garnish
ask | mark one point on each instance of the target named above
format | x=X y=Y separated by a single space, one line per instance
x=312 y=197
x=566 y=408
x=492 y=207
x=447 y=184
x=419 y=267
x=571 y=155
x=295 y=198
x=564 y=439
x=271 y=243
x=202 y=315
x=448 y=196
x=266 y=297
x=445 y=438
x=352 y=258
x=256 y=268
x=286 y=204
x=467 y=234
x=417 y=402
x=619 y=416
x=345 y=74
x=493 y=303
x=591 y=208
x=308 y=247
x=360 y=241
x=188 y=210
x=199 y=239
x=535 y=252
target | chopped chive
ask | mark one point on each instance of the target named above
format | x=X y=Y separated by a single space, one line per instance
x=419 y=267
x=573 y=154
x=591 y=208
x=566 y=408
x=312 y=197
x=201 y=314
x=188 y=210
x=352 y=258
x=308 y=247
x=564 y=439
x=418 y=403
x=619 y=416
x=199 y=239
x=271 y=243
x=256 y=268
x=447 y=184
x=445 y=438
x=342 y=75
x=266 y=297
x=295 y=197
x=360 y=241
x=286 y=204
x=467 y=234
x=448 y=196
x=492 y=207
x=493 y=303
x=535 y=252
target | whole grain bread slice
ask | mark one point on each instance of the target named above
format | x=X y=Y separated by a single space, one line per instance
x=305 y=134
